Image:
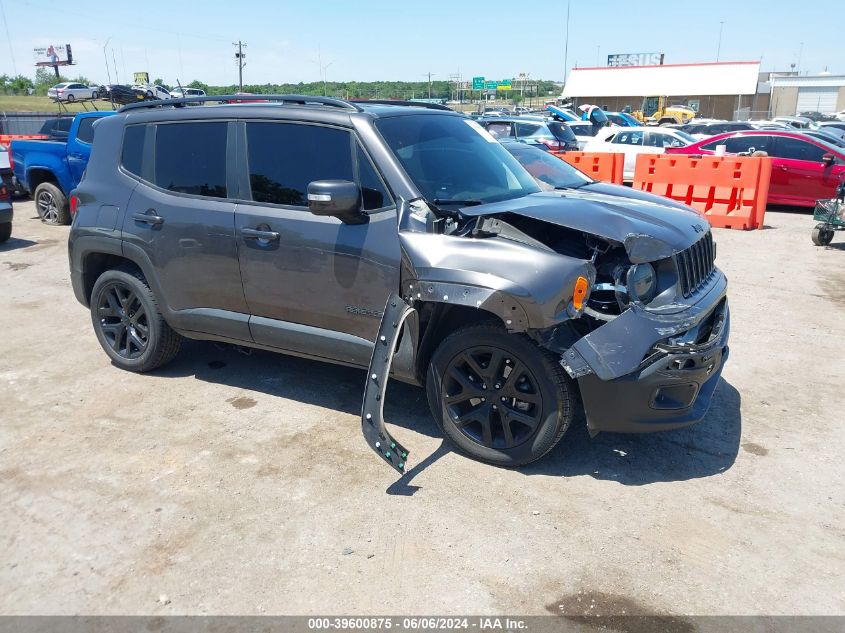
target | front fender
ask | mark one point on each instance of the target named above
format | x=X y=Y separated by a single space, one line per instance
x=527 y=287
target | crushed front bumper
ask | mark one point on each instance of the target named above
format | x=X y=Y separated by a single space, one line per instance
x=669 y=386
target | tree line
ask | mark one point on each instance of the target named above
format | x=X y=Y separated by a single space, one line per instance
x=45 y=78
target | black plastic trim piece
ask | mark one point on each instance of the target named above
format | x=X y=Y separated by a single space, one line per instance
x=372 y=411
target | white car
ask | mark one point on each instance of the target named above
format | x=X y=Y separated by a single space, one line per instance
x=633 y=141
x=153 y=90
x=72 y=92
x=178 y=93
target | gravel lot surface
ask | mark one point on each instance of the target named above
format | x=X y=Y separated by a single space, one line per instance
x=235 y=484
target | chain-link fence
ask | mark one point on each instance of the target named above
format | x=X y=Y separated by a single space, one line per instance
x=747 y=114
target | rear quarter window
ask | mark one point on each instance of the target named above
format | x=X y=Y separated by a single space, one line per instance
x=132 y=152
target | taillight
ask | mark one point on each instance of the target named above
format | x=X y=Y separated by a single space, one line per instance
x=74 y=204
x=4 y=193
x=552 y=144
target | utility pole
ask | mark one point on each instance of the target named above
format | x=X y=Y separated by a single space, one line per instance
x=239 y=57
x=429 y=84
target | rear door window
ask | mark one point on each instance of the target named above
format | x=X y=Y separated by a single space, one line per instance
x=530 y=129
x=191 y=158
x=85 y=132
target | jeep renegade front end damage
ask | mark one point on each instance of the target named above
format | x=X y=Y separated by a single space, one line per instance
x=405 y=240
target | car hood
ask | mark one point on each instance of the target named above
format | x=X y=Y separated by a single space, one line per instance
x=629 y=192
x=648 y=230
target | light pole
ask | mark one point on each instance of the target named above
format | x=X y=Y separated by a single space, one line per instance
x=719 y=45
x=106 y=58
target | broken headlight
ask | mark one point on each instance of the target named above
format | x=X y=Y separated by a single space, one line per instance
x=642 y=282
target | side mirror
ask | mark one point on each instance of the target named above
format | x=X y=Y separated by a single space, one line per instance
x=827 y=160
x=338 y=198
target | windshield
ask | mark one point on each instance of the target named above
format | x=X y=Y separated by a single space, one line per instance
x=550 y=171
x=454 y=158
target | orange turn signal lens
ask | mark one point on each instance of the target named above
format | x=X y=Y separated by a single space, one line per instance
x=580 y=292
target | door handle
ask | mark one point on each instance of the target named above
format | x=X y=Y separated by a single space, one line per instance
x=149 y=217
x=75 y=155
x=784 y=167
x=257 y=234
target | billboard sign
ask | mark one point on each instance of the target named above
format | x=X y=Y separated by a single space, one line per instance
x=141 y=78
x=635 y=59
x=53 y=55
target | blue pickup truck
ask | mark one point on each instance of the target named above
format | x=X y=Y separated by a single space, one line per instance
x=50 y=170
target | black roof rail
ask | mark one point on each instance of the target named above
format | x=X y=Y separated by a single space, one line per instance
x=415 y=104
x=241 y=98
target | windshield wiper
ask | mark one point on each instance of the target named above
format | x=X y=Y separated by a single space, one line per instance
x=464 y=203
x=577 y=186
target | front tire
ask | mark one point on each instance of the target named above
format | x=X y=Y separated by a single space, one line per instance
x=129 y=324
x=5 y=232
x=498 y=397
x=71 y=98
x=51 y=204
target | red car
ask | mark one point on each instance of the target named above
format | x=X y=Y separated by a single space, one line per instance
x=804 y=169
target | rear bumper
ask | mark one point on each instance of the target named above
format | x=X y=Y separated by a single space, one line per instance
x=671 y=388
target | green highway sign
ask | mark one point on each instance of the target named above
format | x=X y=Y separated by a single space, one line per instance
x=504 y=82
x=478 y=83
x=491 y=85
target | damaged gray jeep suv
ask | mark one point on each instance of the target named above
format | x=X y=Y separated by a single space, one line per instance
x=405 y=239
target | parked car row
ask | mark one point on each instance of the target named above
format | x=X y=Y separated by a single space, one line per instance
x=122 y=94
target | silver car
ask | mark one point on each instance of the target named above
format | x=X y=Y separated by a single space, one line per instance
x=68 y=91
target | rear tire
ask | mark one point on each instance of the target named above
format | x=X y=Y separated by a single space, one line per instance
x=498 y=397
x=51 y=204
x=5 y=232
x=822 y=236
x=128 y=322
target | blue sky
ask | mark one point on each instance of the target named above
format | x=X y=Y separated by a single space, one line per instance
x=370 y=40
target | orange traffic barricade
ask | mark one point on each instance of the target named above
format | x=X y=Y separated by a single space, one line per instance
x=603 y=166
x=731 y=191
x=5 y=139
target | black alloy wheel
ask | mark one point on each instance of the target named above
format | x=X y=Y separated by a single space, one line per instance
x=497 y=396
x=123 y=320
x=492 y=397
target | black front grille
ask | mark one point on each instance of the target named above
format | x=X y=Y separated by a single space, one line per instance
x=696 y=264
